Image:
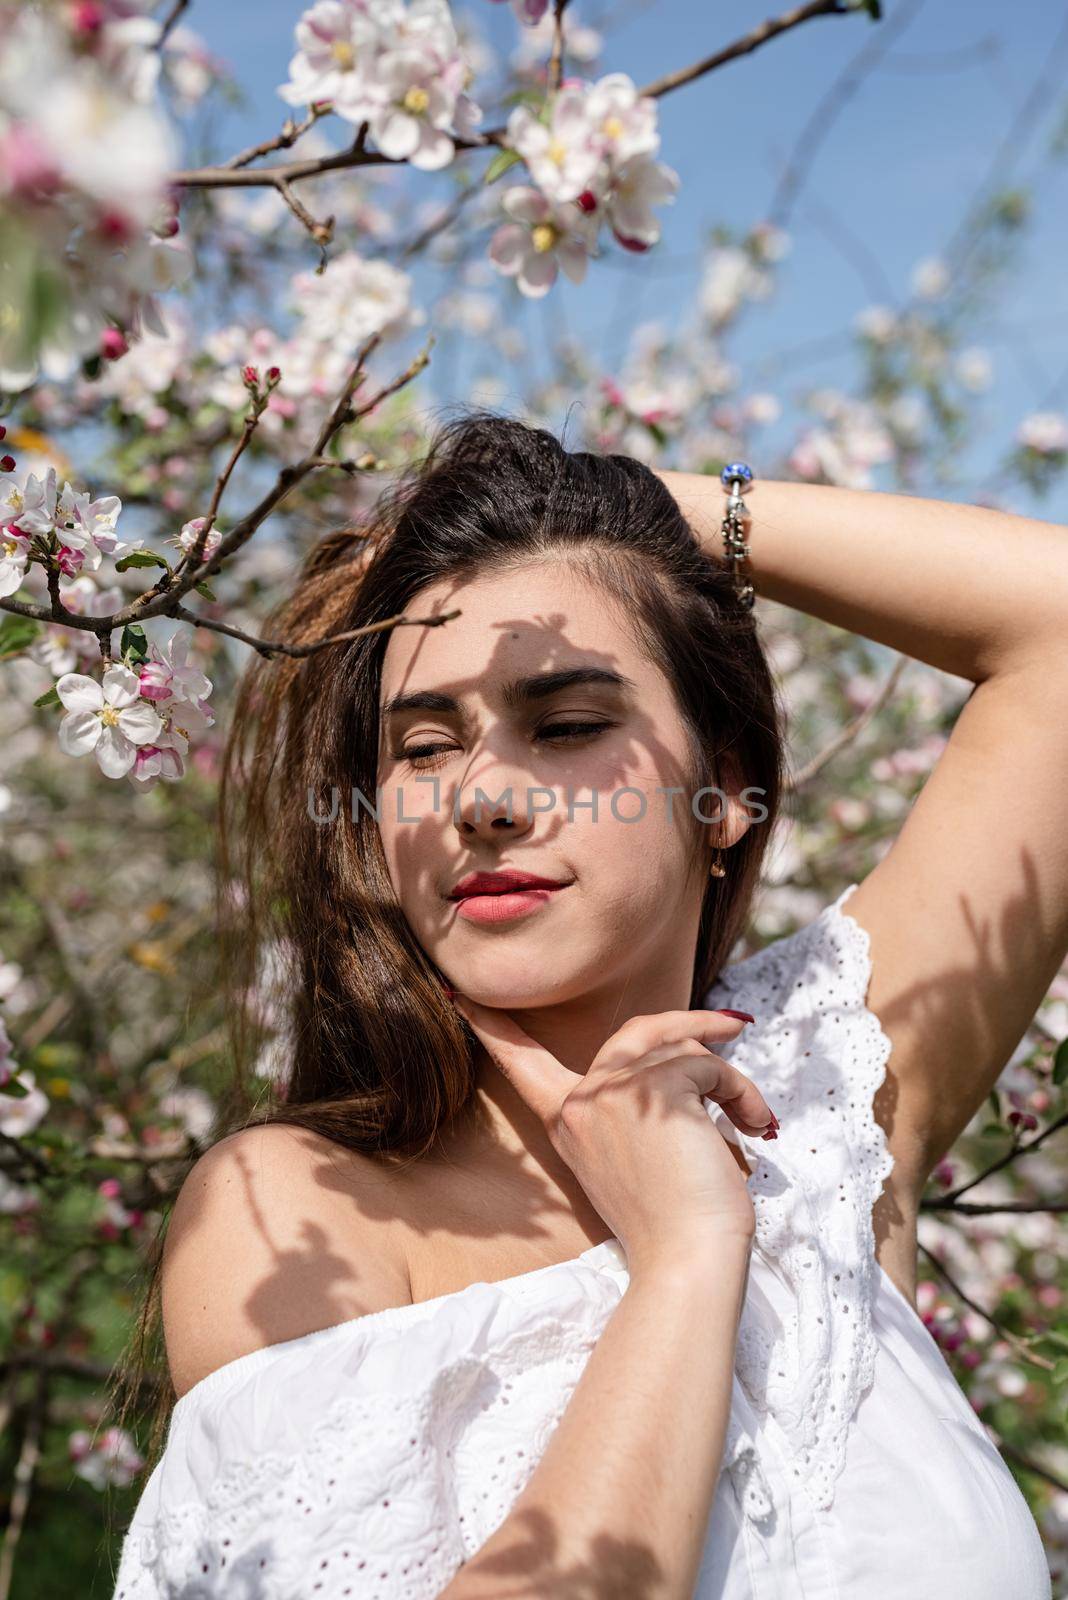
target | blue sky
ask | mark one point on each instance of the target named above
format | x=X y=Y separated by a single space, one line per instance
x=887 y=188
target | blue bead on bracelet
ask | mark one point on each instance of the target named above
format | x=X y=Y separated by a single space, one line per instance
x=736 y=471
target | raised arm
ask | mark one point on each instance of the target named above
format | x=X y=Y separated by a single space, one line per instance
x=968 y=911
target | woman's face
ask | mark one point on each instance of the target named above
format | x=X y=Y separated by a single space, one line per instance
x=485 y=692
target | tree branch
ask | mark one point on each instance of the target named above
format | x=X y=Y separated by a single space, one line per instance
x=231 y=176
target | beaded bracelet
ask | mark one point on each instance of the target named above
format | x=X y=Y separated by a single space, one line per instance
x=736 y=522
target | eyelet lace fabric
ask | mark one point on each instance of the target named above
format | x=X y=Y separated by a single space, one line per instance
x=818 y=1056
x=373 y=1458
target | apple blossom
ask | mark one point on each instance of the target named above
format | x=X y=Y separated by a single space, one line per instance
x=1043 y=431
x=398 y=68
x=561 y=156
x=187 y=539
x=14 y=553
x=637 y=186
x=20 y=1114
x=168 y=674
x=542 y=237
x=115 y=1459
x=109 y=718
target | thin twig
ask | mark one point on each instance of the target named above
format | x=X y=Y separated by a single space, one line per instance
x=556 y=59
x=160 y=599
x=1013 y=1339
x=972 y=1208
x=321 y=232
x=291 y=132
x=1016 y=1151
x=277 y=647
x=169 y=21
x=847 y=734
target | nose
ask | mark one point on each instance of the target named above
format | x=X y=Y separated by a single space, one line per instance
x=498 y=799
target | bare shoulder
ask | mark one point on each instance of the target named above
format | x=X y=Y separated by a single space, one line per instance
x=276 y=1232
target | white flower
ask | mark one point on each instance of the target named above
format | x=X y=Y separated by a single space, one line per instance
x=410 y=127
x=930 y=278
x=35 y=505
x=542 y=237
x=730 y=278
x=20 y=1114
x=336 y=43
x=563 y=157
x=975 y=369
x=347 y=303
x=110 y=719
x=397 y=68
x=14 y=552
x=187 y=539
x=165 y=759
x=1044 y=431
x=624 y=122
x=115 y=1459
x=115 y=151
x=168 y=673
x=877 y=323
x=637 y=186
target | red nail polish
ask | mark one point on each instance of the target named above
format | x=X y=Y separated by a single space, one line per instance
x=725 y=1011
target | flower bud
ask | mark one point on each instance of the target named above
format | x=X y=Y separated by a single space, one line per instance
x=113 y=344
x=274 y=375
x=250 y=377
x=7 y=463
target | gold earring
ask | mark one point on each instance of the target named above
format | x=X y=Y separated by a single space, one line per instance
x=717 y=869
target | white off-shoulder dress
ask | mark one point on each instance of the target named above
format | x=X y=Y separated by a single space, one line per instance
x=373 y=1458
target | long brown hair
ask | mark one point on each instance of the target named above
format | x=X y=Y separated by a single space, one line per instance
x=379 y=1061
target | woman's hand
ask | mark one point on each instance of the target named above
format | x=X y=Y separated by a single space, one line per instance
x=634 y=1129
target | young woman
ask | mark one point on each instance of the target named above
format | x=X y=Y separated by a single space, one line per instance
x=515 y=1292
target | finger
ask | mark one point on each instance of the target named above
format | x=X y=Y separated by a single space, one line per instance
x=743 y=1102
x=643 y=1034
x=534 y=1072
x=737 y=1094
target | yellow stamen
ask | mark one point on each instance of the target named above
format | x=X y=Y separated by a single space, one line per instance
x=613 y=127
x=557 y=151
x=343 y=53
x=416 y=100
x=543 y=237
x=109 y=717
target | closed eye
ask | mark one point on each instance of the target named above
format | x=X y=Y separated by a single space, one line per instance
x=557 y=732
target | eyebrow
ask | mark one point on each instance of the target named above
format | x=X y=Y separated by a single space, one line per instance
x=521 y=692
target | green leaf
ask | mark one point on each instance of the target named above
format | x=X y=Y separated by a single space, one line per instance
x=1060 y=1063
x=16 y=635
x=142 y=558
x=500 y=164
x=203 y=588
x=1060 y=1371
x=134 y=643
x=995 y=1102
x=49 y=698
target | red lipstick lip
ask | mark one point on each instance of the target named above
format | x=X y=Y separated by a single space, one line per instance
x=504 y=882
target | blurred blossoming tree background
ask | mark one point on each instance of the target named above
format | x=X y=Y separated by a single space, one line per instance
x=212 y=352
